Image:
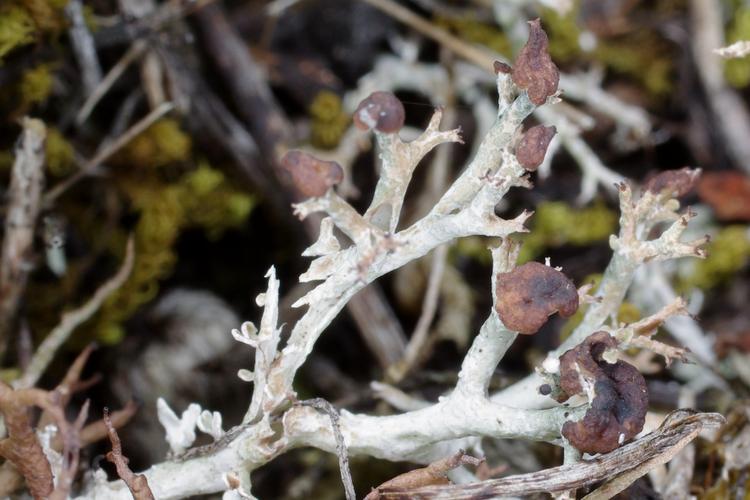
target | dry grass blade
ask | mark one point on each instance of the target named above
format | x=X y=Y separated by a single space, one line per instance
x=629 y=462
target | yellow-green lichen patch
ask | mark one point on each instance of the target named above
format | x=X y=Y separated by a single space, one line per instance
x=48 y=15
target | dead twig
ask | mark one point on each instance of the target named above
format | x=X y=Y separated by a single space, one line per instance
x=378 y=325
x=627 y=463
x=433 y=474
x=137 y=483
x=71 y=438
x=106 y=150
x=346 y=475
x=103 y=86
x=21 y=447
x=83 y=47
x=24 y=195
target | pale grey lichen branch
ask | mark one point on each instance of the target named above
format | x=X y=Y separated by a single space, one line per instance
x=467 y=208
x=399 y=159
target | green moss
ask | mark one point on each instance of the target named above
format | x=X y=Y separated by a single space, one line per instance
x=159 y=224
x=163 y=143
x=737 y=71
x=16 y=28
x=212 y=203
x=203 y=180
x=6 y=160
x=202 y=198
x=48 y=15
x=8 y=375
x=556 y=223
x=60 y=154
x=329 y=121
x=36 y=85
x=563 y=32
x=648 y=67
x=728 y=253
x=475 y=31
x=239 y=206
x=474 y=247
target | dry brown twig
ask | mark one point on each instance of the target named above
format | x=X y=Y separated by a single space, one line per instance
x=432 y=475
x=627 y=464
x=137 y=483
x=22 y=447
x=26 y=456
x=106 y=150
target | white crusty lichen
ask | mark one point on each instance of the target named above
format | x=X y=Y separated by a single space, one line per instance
x=374 y=245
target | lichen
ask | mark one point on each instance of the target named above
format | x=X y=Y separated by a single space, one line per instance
x=627 y=313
